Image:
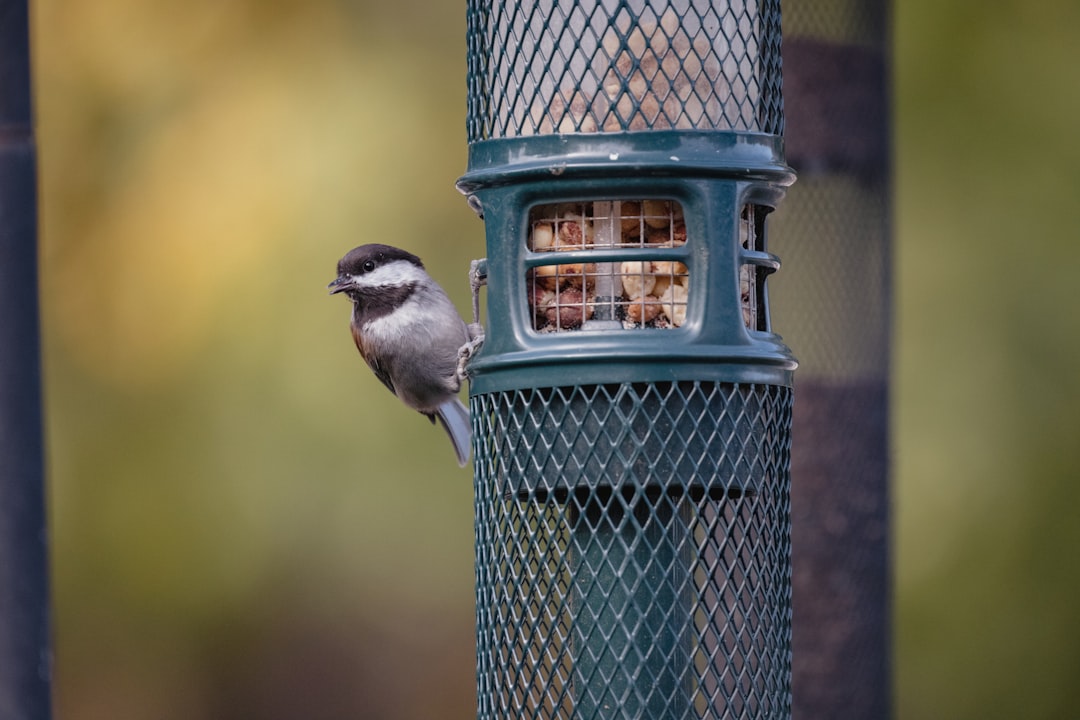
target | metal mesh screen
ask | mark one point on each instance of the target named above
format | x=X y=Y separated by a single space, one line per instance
x=625 y=294
x=634 y=293
x=633 y=551
x=582 y=66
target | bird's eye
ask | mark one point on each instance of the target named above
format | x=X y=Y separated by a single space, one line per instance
x=369 y=266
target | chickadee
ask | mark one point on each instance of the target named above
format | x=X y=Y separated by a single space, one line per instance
x=409 y=333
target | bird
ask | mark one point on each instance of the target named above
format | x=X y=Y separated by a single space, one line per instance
x=409 y=333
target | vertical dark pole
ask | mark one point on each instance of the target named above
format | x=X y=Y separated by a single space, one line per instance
x=834 y=227
x=24 y=605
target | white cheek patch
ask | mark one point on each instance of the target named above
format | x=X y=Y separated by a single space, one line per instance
x=399 y=272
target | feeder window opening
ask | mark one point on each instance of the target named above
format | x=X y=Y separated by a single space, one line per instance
x=756 y=265
x=607 y=281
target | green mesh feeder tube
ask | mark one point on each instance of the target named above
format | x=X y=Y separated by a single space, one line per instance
x=631 y=405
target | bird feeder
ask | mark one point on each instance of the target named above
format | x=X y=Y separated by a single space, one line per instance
x=631 y=405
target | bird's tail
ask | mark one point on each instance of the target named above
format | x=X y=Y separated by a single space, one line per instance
x=454 y=417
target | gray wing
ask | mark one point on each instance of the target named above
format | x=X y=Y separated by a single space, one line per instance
x=382 y=374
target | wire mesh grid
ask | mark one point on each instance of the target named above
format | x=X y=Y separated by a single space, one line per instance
x=582 y=66
x=582 y=291
x=633 y=551
x=835 y=230
x=608 y=293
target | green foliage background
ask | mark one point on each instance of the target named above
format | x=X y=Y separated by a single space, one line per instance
x=246 y=525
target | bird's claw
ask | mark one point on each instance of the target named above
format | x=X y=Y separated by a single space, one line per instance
x=468 y=350
x=477 y=279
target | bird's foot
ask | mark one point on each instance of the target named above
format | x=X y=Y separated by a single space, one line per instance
x=469 y=349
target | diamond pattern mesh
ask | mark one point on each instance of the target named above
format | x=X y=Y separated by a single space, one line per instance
x=582 y=66
x=633 y=551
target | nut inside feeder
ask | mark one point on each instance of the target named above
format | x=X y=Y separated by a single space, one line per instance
x=576 y=293
x=748 y=273
x=608 y=293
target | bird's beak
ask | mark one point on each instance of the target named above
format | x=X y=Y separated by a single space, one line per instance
x=341 y=284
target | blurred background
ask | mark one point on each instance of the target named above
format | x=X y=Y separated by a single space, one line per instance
x=245 y=524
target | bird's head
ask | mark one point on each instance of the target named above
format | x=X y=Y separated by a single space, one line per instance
x=376 y=269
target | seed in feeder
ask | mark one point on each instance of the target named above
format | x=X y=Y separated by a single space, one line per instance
x=540 y=300
x=638 y=85
x=543 y=237
x=637 y=278
x=643 y=309
x=669 y=267
x=573 y=118
x=657 y=213
x=667 y=272
x=631 y=221
x=569 y=309
x=678 y=233
x=580 y=118
x=674 y=302
x=631 y=218
x=659 y=236
x=650 y=113
x=572 y=232
x=546 y=276
x=663 y=282
x=748 y=316
x=662 y=269
x=672 y=269
x=746 y=290
x=576 y=273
